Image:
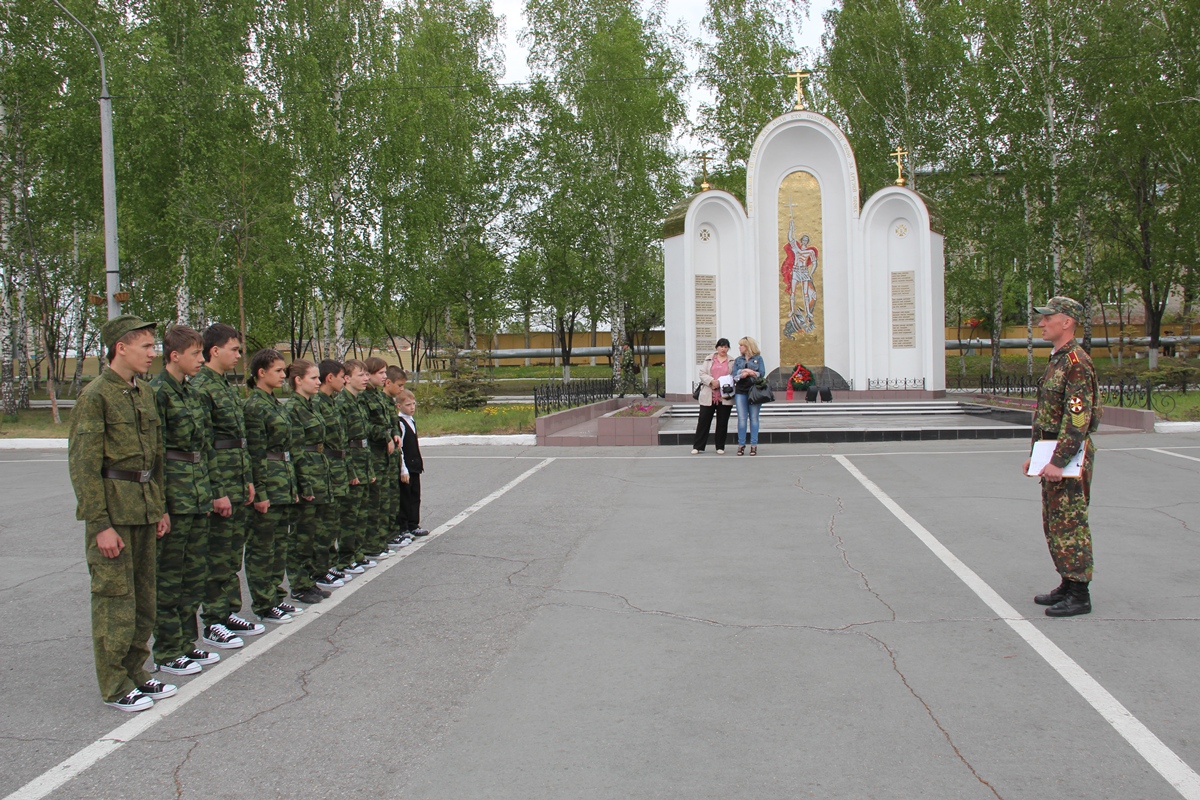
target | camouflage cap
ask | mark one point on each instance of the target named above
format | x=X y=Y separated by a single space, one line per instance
x=117 y=327
x=1063 y=305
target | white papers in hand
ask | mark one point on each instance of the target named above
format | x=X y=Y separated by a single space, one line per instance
x=1043 y=451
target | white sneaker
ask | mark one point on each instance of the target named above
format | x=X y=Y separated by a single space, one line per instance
x=354 y=569
x=720 y=452
x=203 y=656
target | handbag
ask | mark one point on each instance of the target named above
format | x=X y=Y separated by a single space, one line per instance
x=696 y=392
x=760 y=393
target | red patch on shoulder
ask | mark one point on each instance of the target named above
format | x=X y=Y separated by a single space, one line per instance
x=1073 y=357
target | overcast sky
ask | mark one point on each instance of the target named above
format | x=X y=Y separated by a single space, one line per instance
x=690 y=11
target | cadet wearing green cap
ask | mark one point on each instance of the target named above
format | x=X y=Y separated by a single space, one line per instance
x=1068 y=411
x=116 y=463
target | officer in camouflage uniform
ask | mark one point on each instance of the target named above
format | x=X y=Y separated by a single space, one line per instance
x=330 y=533
x=1068 y=411
x=270 y=442
x=182 y=553
x=353 y=511
x=233 y=490
x=116 y=464
x=312 y=481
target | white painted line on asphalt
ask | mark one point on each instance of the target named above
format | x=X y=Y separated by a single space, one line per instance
x=1150 y=747
x=55 y=777
x=1169 y=453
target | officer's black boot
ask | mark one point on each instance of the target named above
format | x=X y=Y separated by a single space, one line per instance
x=1054 y=596
x=1077 y=601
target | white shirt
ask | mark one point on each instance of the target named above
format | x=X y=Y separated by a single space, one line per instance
x=404 y=432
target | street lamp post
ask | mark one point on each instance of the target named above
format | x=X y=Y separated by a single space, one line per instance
x=112 y=266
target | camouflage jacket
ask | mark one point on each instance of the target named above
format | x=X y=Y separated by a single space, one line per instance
x=335 y=442
x=186 y=426
x=381 y=419
x=269 y=431
x=115 y=426
x=308 y=450
x=229 y=469
x=1068 y=406
x=358 y=459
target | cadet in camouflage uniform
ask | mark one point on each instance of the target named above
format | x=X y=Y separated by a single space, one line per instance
x=383 y=438
x=233 y=490
x=353 y=510
x=116 y=464
x=330 y=533
x=182 y=553
x=312 y=481
x=1068 y=410
x=270 y=442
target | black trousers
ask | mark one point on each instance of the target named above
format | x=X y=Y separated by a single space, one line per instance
x=706 y=414
x=410 y=502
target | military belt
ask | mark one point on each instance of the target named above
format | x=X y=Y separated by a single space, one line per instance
x=315 y=448
x=284 y=456
x=183 y=455
x=357 y=444
x=229 y=444
x=135 y=475
x=336 y=453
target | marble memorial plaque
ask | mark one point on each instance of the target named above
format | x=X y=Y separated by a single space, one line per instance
x=904 y=309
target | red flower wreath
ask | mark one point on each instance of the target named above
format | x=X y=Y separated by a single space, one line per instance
x=801 y=378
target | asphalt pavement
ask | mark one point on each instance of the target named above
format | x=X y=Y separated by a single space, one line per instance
x=642 y=623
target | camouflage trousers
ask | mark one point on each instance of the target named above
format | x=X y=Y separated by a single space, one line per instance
x=122 y=610
x=182 y=579
x=226 y=542
x=266 y=556
x=381 y=495
x=351 y=518
x=329 y=529
x=1065 y=522
x=301 y=549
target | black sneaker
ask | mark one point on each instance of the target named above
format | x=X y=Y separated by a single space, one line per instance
x=220 y=637
x=340 y=575
x=309 y=596
x=180 y=666
x=419 y=532
x=288 y=608
x=277 y=616
x=134 y=701
x=322 y=592
x=330 y=581
x=243 y=627
x=202 y=656
x=157 y=690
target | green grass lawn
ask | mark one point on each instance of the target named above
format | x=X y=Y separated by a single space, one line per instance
x=36 y=423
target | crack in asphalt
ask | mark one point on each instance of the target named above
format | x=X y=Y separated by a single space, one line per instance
x=840 y=544
x=928 y=710
x=179 y=768
x=67 y=568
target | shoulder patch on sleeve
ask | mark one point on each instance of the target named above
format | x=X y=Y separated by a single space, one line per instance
x=1073 y=357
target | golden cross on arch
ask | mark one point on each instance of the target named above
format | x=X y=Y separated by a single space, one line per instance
x=899 y=153
x=800 y=76
x=704 y=185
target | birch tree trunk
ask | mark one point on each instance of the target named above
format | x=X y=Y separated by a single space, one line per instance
x=182 y=301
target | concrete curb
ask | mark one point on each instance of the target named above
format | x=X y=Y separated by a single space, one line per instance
x=1177 y=427
x=522 y=439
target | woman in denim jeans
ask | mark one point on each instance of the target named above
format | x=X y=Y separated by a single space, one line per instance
x=747 y=368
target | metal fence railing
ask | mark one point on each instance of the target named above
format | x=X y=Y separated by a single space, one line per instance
x=551 y=397
x=1120 y=393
